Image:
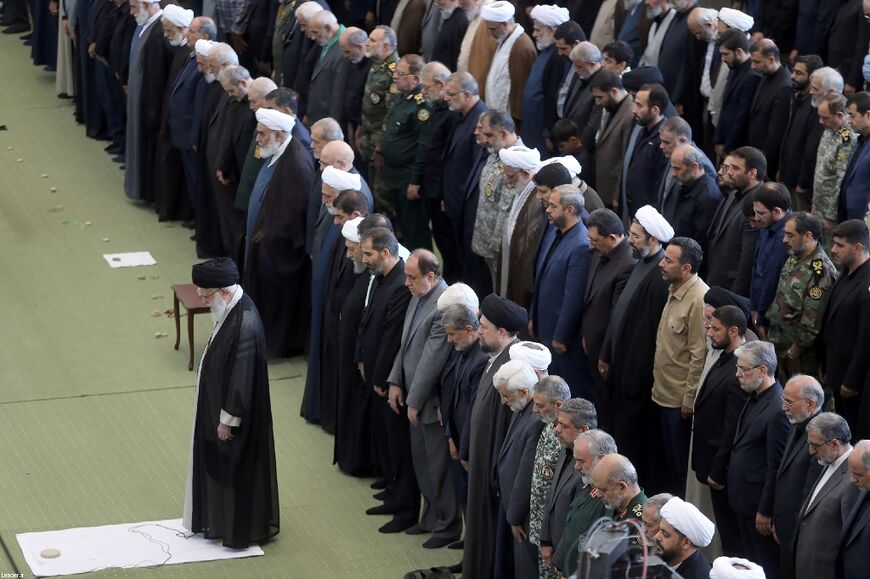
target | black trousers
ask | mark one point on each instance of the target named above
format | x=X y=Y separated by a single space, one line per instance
x=16 y=12
x=447 y=240
x=726 y=523
x=757 y=548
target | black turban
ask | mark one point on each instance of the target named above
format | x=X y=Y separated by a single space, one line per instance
x=637 y=77
x=718 y=296
x=215 y=273
x=503 y=313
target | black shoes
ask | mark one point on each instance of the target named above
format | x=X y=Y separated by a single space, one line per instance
x=17 y=28
x=396 y=526
x=382 y=510
x=437 y=542
x=379 y=484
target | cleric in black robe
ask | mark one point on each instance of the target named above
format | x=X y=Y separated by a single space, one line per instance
x=277 y=269
x=208 y=233
x=87 y=99
x=232 y=484
x=353 y=451
x=630 y=344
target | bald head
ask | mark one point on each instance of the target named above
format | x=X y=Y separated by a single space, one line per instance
x=615 y=478
x=201 y=27
x=764 y=54
x=353 y=44
x=337 y=154
x=859 y=465
x=257 y=91
x=687 y=164
x=704 y=23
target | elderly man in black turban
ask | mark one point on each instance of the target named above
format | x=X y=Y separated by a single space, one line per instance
x=500 y=321
x=232 y=486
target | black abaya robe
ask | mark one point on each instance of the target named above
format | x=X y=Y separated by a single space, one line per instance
x=234 y=483
x=208 y=232
x=353 y=451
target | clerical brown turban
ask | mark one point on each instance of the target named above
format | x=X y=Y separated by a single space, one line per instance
x=503 y=313
x=215 y=273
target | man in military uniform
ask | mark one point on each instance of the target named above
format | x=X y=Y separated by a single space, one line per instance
x=378 y=95
x=835 y=147
x=498 y=131
x=802 y=294
x=403 y=150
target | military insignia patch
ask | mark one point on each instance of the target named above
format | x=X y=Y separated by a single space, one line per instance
x=391 y=66
x=375 y=97
x=393 y=88
x=845 y=135
x=488 y=191
x=547 y=472
x=422 y=115
x=818 y=266
x=816 y=292
x=419 y=99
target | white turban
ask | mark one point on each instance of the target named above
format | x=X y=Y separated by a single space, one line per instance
x=340 y=180
x=735 y=568
x=550 y=15
x=536 y=355
x=687 y=519
x=736 y=19
x=177 y=15
x=458 y=293
x=308 y=9
x=203 y=47
x=569 y=162
x=275 y=120
x=654 y=224
x=350 y=229
x=500 y=11
x=520 y=157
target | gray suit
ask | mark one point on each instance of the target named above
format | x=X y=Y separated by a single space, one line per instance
x=327 y=87
x=565 y=483
x=417 y=371
x=820 y=522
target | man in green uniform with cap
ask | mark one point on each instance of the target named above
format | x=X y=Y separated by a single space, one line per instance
x=403 y=149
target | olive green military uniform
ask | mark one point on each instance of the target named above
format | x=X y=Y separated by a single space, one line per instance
x=378 y=96
x=403 y=147
x=798 y=309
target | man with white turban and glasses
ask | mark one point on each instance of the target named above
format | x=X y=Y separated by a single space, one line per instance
x=277 y=269
x=511 y=62
x=519 y=244
x=683 y=532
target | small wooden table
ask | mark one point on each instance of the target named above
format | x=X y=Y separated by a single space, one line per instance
x=186 y=294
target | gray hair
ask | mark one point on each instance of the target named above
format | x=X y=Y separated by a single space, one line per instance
x=707 y=15
x=623 y=471
x=331 y=129
x=831 y=426
x=582 y=413
x=830 y=79
x=678 y=128
x=357 y=37
x=810 y=388
x=571 y=197
x=863 y=447
x=466 y=82
x=657 y=502
x=439 y=72
x=585 y=52
x=600 y=443
x=553 y=388
x=224 y=54
x=459 y=317
x=325 y=18
x=759 y=353
x=207 y=27
x=234 y=75
x=261 y=86
x=515 y=375
x=389 y=36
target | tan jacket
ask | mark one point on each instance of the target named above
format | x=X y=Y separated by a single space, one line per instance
x=680 y=346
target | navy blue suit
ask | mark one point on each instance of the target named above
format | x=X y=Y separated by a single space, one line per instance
x=182 y=103
x=733 y=128
x=855 y=188
x=770 y=256
x=557 y=306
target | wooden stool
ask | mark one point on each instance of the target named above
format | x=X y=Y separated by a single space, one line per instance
x=186 y=294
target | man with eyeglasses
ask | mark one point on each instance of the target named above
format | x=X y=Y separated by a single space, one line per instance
x=755 y=456
x=821 y=516
x=802 y=400
x=772 y=205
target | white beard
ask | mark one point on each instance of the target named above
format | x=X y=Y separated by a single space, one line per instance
x=269 y=149
x=218 y=310
x=544 y=43
x=330 y=208
x=209 y=77
x=141 y=17
x=178 y=40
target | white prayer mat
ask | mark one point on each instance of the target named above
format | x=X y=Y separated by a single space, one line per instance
x=133 y=259
x=126 y=546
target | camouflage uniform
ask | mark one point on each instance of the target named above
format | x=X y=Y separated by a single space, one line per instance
x=494 y=204
x=835 y=148
x=403 y=146
x=547 y=455
x=378 y=95
x=798 y=309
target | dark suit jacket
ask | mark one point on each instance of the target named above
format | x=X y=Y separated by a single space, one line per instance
x=183 y=132
x=844 y=332
x=717 y=408
x=516 y=460
x=794 y=477
x=730 y=244
x=610 y=150
x=605 y=282
x=327 y=85
x=560 y=284
x=410 y=29
x=380 y=331
x=559 y=497
x=690 y=212
x=580 y=102
x=695 y=567
x=854 y=538
x=773 y=93
x=450 y=37
x=733 y=128
x=460 y=158
x=820 y=524
x=459 y=382
x=755 y=456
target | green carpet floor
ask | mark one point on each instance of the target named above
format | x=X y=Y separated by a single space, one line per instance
x=95 y=412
